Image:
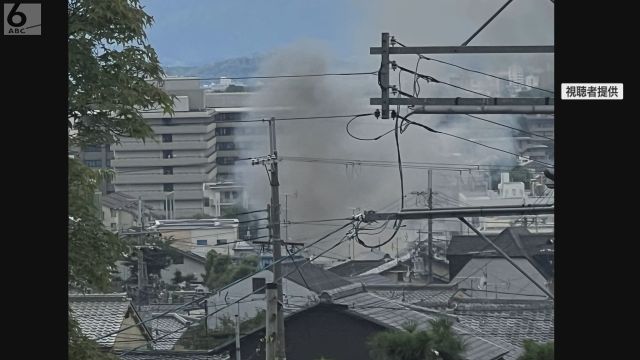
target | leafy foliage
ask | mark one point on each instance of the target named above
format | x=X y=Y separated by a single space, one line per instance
x=113 y=74
x=113 y=71
x=93 y=250
x=537 y=351
x=221 y=270
x=196 y=338
x=439 y=342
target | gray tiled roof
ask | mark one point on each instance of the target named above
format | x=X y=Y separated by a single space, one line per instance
x=532 y=243
x=172 y=324
x=394 y=315
x=355 y=267
x=316 y=278
x=373 y=279
x=99 y=314
x=428 y=297
x=503 y=280
x=511 y=322
x=171 y=355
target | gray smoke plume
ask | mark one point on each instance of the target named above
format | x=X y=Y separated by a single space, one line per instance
x=333 y=191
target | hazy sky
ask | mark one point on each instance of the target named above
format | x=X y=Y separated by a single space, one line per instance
x=202 y=31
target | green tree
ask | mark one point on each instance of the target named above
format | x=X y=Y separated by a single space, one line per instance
x=113 y=71
x=537 y=351
x=197 y=338
x=113 y=75
x=221 y=270
x=439 y=342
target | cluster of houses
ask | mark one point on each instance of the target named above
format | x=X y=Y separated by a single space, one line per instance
x=332 y=310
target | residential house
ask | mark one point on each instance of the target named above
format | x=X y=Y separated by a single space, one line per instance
x=355 y=267
x=510 y=193
x=340 y=324
x=99 y=315
x=511 y=321
x=496 y=278
x=187 y=263
x=404 y=270
x=200 y=236
x=434 y=296
x=120 y=212
x=302 y=283
x=517 y=242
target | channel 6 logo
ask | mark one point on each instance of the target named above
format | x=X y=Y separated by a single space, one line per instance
x=22 y=19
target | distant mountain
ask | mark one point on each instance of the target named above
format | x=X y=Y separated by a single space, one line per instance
x=235 y=67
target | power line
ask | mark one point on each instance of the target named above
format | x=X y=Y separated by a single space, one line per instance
x=365 y=139
x=224 y=287
x=486 y=23
x=241 y=298
x=472 y=70
x=475 y=142
x=434 y=80
x=509 y=127
x=291 y=76
x=387 y=162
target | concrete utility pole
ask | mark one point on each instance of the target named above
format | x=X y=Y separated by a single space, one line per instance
x=238 y=357
x=430 y=227
x=272 y=323
x=275 y=239
x=142 y=274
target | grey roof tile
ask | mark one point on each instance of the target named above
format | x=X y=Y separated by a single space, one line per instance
x=317 y=278
x=99 y=314
x=171 y=355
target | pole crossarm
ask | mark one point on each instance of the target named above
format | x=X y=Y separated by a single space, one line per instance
x=527 y=49
x=467 y=101
x=486 y=109
x=442 y=213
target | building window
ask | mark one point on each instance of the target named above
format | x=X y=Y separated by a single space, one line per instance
x=168 y=187
x=114 y=226
x=167 y=138
x=221 y=241
x=167 y=121
x=234 y=194
x=167 y=170
x=206 y=202
x=259 y=285
x=226 y=160
x=224 y=131
x=93 y=163
x=227 y=195
x=167 y=154
x=113 y=213
x=225 y=146
x=201 y=242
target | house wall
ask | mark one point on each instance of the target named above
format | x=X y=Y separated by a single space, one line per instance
x=309 y=333
x=294 y=294
x=130 y=338
x=189 y=266
x=122 y=219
